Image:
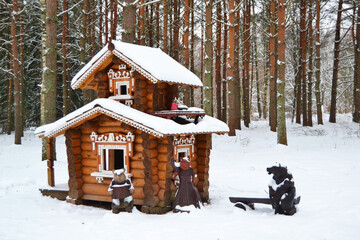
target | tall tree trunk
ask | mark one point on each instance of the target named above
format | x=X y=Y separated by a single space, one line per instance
x=187 y=93
x=101 y=15
x=281 y=119
x=157 y=15
x=258 y=98
x=266 y=75
x=65 y=28
x=150 y=25
x=202 y=59
x=236 y=73
x=192 y=49
x=165 y=26
x=318 y=66
x=107 y=21
x=16 y=72
x=93 y=19
x=356 y=113
x=86 y=6
x=9 y=103
x=115 y=20
x=332 y=117
x=22 y=67
x=310 y=72
x=48 y=87
x=208 y=88
x=246 y=56
x=129 y=25
x=176 y=27
x=303 y=48
x=111 y=19
x=218 y=79
x=230 y=69
x=272 y=61
x=142 y=23
x=224 y=68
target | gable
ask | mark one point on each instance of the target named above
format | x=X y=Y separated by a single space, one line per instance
x=152 y=63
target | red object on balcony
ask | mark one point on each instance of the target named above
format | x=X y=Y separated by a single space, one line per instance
x=174 y=106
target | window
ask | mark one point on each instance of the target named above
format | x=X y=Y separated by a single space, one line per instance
x=113 y=152
x=112 y=157
x=123 y=90
x=182 y=152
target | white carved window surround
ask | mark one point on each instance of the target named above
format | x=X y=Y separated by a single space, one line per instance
x=113 y=152
x=184 y=147
x=121 y=84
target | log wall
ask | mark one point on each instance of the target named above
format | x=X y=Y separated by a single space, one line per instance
x=200 y=164
x=73 y=150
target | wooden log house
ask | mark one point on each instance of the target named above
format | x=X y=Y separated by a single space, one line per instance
x=120 y=129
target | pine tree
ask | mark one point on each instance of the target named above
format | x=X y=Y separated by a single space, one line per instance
x=230 y=69
x=272 y=61
x=16 y=72
x=281 y=119
x=318 y=65
x=208 y=89
x=246 y=62
x=334 y=84
x=356 y=36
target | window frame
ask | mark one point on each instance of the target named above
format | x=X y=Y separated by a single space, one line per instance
x=107 y=147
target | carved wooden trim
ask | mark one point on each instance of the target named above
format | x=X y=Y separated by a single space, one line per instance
x=113 y=141
x=182 y=144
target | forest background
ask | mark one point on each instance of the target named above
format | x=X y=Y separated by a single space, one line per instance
x=266 y=59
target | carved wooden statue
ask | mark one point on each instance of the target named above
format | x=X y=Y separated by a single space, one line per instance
x=186 y=194
x=282 y=193
x=121 y=190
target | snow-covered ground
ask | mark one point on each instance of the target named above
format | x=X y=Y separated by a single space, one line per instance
x=324 y=160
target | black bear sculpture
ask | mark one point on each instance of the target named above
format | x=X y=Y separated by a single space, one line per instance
x=282 y=193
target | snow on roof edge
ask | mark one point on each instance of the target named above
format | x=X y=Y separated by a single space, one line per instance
x=145 y=122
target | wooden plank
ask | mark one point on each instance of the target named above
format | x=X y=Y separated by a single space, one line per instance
x=95 y=189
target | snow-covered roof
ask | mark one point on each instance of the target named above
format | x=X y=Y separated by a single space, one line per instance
x=150 y=62
x=150 y=124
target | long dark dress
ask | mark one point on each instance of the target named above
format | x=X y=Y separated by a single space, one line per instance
x=186 y=194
